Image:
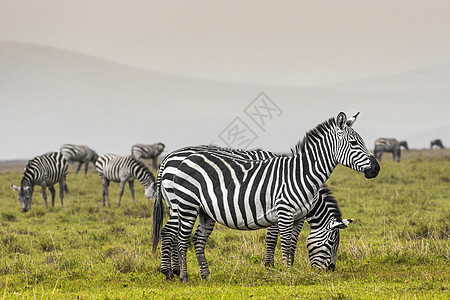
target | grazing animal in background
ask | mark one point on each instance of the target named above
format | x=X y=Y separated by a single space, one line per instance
x=44 y=170
x=151 y=151
x=389 y=145
x=252 y=194
x=79 y=153
x=325 y=220
x=123 y=169
x=164 y=186
x=436 y=143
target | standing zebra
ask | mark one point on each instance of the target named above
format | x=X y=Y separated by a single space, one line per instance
x=437 y=143
x=151 y=151
x=389 y=145
x=325 y=220
x=324 y=258
x=123 y=169
x=252 y=194
x=80 y=153
x=44 y=170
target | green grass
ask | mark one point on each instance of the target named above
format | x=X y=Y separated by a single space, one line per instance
x=396 y=248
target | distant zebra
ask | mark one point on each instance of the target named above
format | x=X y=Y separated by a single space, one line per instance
x=389 y=145
x=79 y=153
x=151 y=151
x=325 y=220
x=44 y=170
x=123 y=169
x=437 y=143
x=252 y=194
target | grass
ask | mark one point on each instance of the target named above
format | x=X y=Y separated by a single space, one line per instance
x=396 y=248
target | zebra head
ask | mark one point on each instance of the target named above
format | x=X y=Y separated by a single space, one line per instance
x=351 y=150
x=323 y=243
x=25 y=194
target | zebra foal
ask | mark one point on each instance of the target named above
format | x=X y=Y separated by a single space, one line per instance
x=44 y=170
x=79 y=153
x=252 y=194
x=123 y=169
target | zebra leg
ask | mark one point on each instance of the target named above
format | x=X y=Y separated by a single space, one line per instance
x=62 y=188
x=175 y=260
x=285 y=225
x=86 y=165
x=105 y=191
x=187 y=221
x=169 y=248
x=154 y=163
x=122 y=186
x=297 y=227
x=271 y=243
x=79 y=167
x=44 y=194
x=130 y=183
x=52 y=194
x=204 y=229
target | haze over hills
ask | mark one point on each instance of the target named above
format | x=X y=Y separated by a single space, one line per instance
x=51 y=96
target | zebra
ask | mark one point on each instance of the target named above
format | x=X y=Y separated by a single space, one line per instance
x=252 y=194
x=79 y=153
x=322 y=259
x=151 y=151
x=325 y=220
x=44 y=170
x=123 y=169
x=437 y=143
x=389 y=145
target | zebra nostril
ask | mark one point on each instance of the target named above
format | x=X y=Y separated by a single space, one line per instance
x=331 y=267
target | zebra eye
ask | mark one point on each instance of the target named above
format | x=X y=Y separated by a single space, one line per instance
x=353 y=143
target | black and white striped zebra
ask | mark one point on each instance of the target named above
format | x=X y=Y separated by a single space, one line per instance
x=44 y=170
x=436 y=143
x=389 y=145
x=148 y=151
x=79 y=153
x=325 y=221
x=252 y=194
x=169 y=259
x=123 y=169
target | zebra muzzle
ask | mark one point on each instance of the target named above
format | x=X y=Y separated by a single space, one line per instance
x=374 y=169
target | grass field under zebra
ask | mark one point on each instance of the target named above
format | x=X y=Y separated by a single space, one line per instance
x=397 y=247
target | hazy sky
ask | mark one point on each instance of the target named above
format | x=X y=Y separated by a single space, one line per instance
x=270 y=43
x=277 y=42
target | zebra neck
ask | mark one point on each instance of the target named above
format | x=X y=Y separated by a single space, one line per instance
x=143 y=176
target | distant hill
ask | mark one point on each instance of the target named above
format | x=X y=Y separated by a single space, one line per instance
x=51 y=96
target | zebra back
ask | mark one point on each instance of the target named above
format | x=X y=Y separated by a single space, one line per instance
x=79 y=153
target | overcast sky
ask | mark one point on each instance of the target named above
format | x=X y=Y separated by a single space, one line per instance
x=271 y=43
x=297 y=43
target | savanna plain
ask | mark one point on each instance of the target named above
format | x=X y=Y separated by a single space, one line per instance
x=396 y=248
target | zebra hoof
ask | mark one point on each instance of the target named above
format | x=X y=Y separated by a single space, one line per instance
x=184 y=279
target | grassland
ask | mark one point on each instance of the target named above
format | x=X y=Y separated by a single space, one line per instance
x=397 y=247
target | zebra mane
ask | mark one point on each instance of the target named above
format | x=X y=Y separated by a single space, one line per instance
x=328 y=201
x=316 y=132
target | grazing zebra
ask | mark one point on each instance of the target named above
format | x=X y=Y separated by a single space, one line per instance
x=325 y=220
x=44 y=170
x=123 y=169
x=79 y=153
x=389 y=145
x=151 y=151
x=437 y=143
x=322 y=259
x=252 y=194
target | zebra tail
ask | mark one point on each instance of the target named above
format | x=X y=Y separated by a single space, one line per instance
x=158 y=216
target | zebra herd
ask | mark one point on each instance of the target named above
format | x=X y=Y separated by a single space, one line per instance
x=51 y=168
x=243 y=190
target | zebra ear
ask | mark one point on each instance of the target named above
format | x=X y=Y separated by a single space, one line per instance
x=343 y=224
x=16 y=188
x=352 y=120
x=341 y=120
